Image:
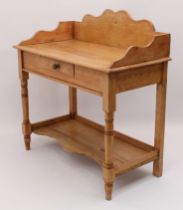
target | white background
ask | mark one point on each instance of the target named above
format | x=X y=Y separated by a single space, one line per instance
x=46 y=178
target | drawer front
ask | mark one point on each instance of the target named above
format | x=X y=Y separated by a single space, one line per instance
x=47 y=67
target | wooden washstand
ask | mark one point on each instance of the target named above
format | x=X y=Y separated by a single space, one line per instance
x=103 y=55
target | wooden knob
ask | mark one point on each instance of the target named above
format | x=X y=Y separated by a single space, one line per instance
x=56 y=66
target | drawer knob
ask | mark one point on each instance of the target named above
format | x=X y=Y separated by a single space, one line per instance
x=56 y=66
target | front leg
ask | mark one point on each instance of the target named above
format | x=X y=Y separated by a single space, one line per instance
x=108 y=167
x=109 y=107
x=160 y=122
x=26 y=126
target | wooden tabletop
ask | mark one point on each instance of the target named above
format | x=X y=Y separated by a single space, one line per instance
x=90 y=55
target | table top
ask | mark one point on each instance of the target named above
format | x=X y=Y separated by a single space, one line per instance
x=81 y=53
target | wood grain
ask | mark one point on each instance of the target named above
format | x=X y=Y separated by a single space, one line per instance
x=80 y=53
x=64 y=31
x=86 y=78
x=48 y=122
x=115 y=29
x=160 y=122
x=45 y=65
x=26 y=126
x=103 y=43
x=138 y=77
x=157 y=49
x=79 y=137
x=108 y=165
x=72 y=102
x=124 y=137
x=104 y=55
x=103 y=58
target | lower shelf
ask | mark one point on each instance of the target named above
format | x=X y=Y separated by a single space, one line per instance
x=85 y=137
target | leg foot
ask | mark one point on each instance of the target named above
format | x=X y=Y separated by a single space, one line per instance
x=108 y=191
x=158 y=168
x=27 y=142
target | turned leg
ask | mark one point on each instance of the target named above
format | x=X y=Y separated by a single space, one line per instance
x=26 y=126
x=108 y=167
x=160 y=122
x=109 y=106
x=73 y=102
